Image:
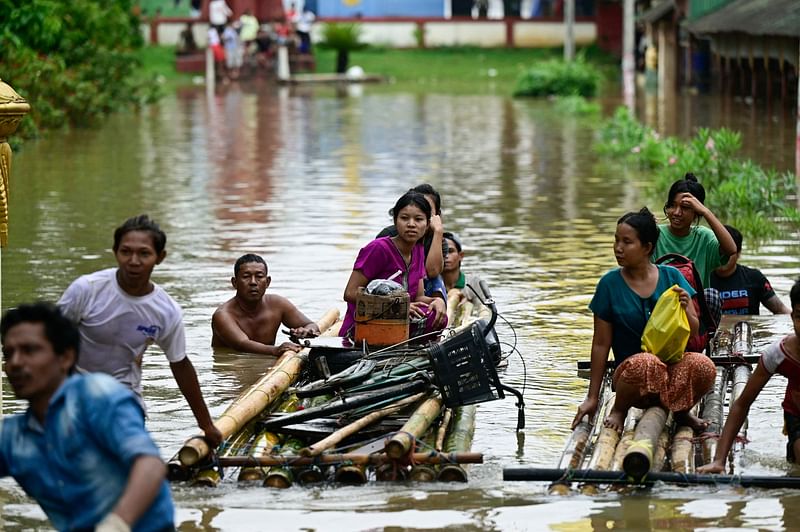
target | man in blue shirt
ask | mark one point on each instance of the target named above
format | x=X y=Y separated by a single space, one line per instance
x=80 y=449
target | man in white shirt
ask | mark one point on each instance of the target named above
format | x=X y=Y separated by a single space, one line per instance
x=120 y=312
x=218 y=13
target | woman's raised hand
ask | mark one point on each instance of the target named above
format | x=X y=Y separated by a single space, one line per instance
x=436 y=224
x=687 y=200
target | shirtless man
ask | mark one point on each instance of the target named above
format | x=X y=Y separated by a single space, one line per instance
x=249 y=321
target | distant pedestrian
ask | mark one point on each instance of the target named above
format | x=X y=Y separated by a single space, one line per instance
x=233 y=51
x=304 y=22
x=218 y=15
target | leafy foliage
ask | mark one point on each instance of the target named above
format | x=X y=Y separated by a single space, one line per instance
x=577 y=106
x=739 y=191
x=342 y=37
x=73 y=61
x=559 y=78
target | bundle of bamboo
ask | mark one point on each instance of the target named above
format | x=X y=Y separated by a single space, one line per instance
x=650 y=441
x=431 y=442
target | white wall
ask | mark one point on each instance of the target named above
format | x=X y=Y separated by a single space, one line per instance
x=527 y=33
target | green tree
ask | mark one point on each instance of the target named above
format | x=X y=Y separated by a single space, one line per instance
x=73 y=60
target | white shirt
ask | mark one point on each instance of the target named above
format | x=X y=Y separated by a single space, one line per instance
x=116 y=328
x=304 y=21
x=218 y=12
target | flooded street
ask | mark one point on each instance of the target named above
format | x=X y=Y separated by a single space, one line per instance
x=305 y=178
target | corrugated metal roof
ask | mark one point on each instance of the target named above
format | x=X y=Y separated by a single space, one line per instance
x=657 y=12
x=756 y=17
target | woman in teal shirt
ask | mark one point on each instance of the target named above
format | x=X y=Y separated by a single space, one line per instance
x=622 y=303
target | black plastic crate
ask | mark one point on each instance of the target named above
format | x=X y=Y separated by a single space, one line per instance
x=464 y=368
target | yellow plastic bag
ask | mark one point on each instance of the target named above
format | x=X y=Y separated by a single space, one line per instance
x=667 y=331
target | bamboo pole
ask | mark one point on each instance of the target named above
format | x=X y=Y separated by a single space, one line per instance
x=351 y=474
x=391 y=471
x=453 y=297
x=682 y=451
x=466 y=307
x=660 y=454
x=176 y=472
x=633 y=417
x=240 y=412
x=639 y=455
x=402 y=442
x=742 y=343
x=357 y=458
x=310 y=475
x=459 y=441
x=210 y=477
x=348 y=430
x=282 y=476
x=443 y=426
x=264 y=445
x=614 y=477
x=712 y=412
x=266 y=442
x=606 y=443
x=575 y=449
x=425 y=472
x=741 y=374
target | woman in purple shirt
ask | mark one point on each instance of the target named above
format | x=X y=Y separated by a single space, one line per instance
x=401 y=258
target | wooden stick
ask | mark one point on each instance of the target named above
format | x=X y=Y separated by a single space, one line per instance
x=255 y=401
x=372 y=459
x=348 y=430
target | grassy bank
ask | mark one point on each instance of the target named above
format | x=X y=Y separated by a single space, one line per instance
x=459 y=70
x=158 y=65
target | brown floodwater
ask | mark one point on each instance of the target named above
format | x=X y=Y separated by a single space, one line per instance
x=305 y=177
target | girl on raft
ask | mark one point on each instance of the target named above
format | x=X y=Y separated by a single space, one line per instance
x=401 y=258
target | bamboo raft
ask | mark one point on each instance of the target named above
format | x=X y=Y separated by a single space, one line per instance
x=652 y=446
x=409 y=435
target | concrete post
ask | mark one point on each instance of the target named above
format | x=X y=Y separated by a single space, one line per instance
x=13 y=108
x=628 y=61
x=211 y=75
x=797 y=141
x=569 y=27
x=283 y=63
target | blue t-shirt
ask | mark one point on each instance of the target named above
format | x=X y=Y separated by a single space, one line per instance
x=616 y=303
x=76 y=466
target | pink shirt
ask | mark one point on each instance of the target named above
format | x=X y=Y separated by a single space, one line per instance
x=380 y=259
